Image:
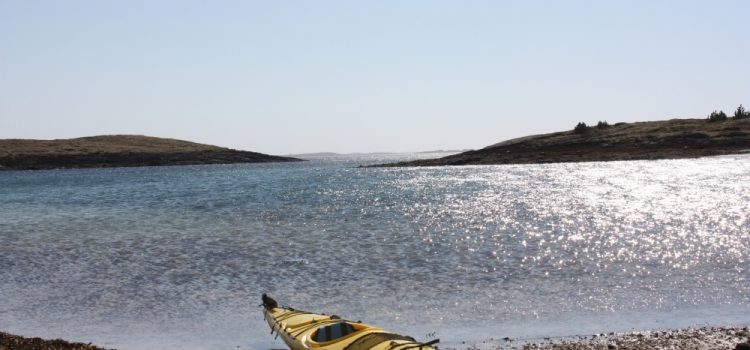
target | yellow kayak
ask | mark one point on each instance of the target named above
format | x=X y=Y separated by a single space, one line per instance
x=302 y=330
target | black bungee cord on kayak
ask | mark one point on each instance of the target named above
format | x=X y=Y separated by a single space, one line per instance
x=371 y=340
x=413 y=345
x=420 y=345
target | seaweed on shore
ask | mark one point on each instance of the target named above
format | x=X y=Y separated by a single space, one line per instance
x=14 y=342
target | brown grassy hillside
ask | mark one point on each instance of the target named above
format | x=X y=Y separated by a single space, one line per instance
x=100 y=144
x=118 y=150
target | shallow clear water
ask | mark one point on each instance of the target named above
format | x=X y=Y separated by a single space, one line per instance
x=177 y=257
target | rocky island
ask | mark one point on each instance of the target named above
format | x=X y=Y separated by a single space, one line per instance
x=119 y=151
x=667 y=139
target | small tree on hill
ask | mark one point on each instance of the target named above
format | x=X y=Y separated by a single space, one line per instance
x=580 y=128
x=741 y=113
x=717 y=116
x=602 y=125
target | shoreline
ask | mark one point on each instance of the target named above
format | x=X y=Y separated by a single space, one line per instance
x=695 y=338
x=572 y=155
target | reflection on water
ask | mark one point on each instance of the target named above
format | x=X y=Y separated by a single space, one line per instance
x=175 y=257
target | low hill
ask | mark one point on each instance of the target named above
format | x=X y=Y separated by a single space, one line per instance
x=119 y=151
x=675 y=138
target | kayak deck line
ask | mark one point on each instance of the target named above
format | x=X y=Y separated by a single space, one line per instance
x=302 y=330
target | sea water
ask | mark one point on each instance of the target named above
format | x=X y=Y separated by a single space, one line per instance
x=177 y=257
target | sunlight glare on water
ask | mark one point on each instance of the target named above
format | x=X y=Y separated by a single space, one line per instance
x=176 y=257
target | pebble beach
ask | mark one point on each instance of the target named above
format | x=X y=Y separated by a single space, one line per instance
x=703 y=338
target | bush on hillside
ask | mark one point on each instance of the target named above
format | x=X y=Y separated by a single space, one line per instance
x=741 y=113
x=580 y=128
x=602 y=125
x=717 y=116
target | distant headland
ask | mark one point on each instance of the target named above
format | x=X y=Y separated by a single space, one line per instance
x=119 y=151
x=667 y=139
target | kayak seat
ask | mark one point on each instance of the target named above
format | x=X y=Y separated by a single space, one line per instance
x=332 y=332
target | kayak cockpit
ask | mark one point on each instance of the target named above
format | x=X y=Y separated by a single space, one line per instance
x=333 y=333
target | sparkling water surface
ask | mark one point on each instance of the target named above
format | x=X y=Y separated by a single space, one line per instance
x=177 y=257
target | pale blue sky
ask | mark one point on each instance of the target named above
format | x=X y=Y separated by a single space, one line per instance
x=357 y=76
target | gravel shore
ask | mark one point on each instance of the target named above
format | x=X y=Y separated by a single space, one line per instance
x=704 y=338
